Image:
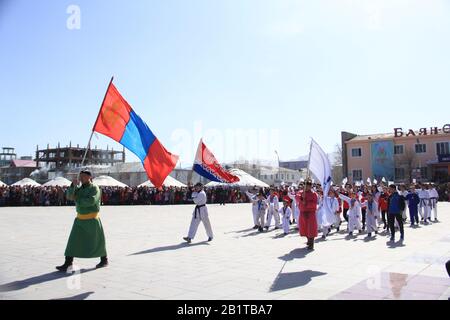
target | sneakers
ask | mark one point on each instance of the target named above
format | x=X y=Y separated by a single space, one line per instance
x=255 y=227
x=370 y=234
x=210 y=239
x=187 y=239
x=260 y=229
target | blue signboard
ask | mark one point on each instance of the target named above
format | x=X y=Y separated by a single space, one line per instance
x=382 y=158
x=444 y=157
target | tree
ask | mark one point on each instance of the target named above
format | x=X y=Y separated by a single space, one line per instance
x=407 y=160
x=336 y=165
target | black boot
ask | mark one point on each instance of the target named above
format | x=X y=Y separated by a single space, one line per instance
x=103 y=263
x=67 y=263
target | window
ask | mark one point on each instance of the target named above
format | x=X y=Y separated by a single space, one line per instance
x=276 y=176
x=423 y=172
x=398 y=149
x=357 y=175
x=399 y=173
x=421 y=148
x=292 y=177
x=442 y=148
x=356 y=152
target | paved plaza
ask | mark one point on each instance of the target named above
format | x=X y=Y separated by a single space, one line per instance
x=149 y=260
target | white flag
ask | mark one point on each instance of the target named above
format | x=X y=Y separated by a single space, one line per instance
x=344 y=181
x=369 y=182
x=319 y=166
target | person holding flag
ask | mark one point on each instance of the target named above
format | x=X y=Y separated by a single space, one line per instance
x=307 y=202
x=86 y=239
x=206 y=165
x=117 y=120
x=200 y=214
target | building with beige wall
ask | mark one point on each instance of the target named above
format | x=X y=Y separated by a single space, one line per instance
x=401 y=156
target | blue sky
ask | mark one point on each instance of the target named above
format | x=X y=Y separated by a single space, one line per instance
x=285 y=70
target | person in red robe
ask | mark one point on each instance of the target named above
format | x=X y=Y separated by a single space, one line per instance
x=307 y=202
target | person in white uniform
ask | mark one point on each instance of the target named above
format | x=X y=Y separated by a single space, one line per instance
x=434 y=197
x=294 y=206
x=285 y=213
x=403 y=192
x=424 y=205
x=353 y=213
x=253 y=198
x=327 y=212
x=372 y=214
x=274 y=206
x=200 y=214
x=261 y=207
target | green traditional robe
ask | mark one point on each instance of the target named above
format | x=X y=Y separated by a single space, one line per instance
x=86 y=239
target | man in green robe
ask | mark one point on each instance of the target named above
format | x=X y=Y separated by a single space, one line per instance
x=86 y=239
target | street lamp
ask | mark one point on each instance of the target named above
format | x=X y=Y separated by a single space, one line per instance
x=278 y=157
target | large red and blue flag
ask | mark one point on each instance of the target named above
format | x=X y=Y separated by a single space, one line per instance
x=206 y=165
x=118 y=121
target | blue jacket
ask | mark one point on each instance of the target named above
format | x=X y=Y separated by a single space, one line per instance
x=413 y=199
x=394 y=203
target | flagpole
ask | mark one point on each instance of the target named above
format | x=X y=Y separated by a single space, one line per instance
x=309 y=159
x=92 y=133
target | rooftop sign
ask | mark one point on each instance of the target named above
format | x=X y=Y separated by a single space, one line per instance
x=398 y=132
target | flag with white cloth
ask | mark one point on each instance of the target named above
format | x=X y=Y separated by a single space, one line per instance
x=319 y=166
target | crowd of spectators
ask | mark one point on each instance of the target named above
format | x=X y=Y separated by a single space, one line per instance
x=55 y=196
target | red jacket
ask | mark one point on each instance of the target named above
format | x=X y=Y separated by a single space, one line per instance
x=306 y=201
x=382 y=202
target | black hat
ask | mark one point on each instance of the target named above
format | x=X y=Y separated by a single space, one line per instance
x=198 y=184
x=86 y=172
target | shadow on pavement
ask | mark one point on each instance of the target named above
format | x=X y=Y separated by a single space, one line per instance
x=295 y=254
x=25 y=283
x=172 y=247
x=392 y=244
x=294 y=279
x=81 y=296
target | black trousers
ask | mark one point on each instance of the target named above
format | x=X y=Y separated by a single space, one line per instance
x=345 y=214
x=391 y=221
x=383 y=217
x=363 y=214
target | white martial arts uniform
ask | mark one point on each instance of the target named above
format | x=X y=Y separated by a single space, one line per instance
x=372 y=215
x=404 y=194
x=295 y=208
x=261 y=206
x=326 y=213
x=424 y=204
x=353 y=213
x=274 y=206
x=200 y=214
x=285 y=213
x=434 y=197
x=252 y=198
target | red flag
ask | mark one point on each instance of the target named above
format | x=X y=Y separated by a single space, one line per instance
x=118 y=121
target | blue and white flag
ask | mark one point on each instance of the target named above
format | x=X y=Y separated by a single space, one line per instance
x=319 y=166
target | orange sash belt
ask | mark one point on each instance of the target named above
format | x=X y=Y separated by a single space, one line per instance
x=87 y=216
